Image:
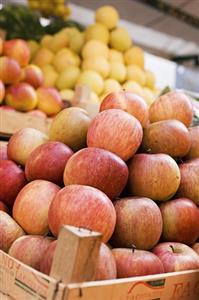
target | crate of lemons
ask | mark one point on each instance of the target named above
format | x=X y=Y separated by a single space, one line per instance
x=103 y=57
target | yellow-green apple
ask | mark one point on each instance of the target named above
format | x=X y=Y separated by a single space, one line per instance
x=3 y=151
x=82 y=206
x=155 y=176
x=23 y=142
x=168 y=136
x=70 y=127
x=117 y=131
x=138 y=222
x=21 y=96
x=31 y=206
x=17 y=49
x=3 y=207
x=30 y=249
x=98 y=168
x=180 y=221
x=176 y=256
x=9 y=231
x=47 y=162
x=195 y=247
x=12 y=181
x=33 y=75
x=173 y=105
x=2 y=91
x=194 y=149
x=37 y=113
x=132 y=262
x=129 y=102
x=46 y=261
x=189 y=184
x=10 y=70
x=49 y=100
x=106 y=265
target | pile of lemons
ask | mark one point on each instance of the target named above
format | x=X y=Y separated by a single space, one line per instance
x=103 y=58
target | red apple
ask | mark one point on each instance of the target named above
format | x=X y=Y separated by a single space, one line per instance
x=168 y=136
x=47 y=162
x=176 y=256
x=155 y=176
x=195 y=247
x=98 y=168
x=49 y=100
x=82 y=206
x=12 y=181
x=138 y=222
x=116 y=131
x=31 y=206
x=23 y=142
x=173 y=105
x=129 y=102
x=33 y=75
x=2 y=91
x=189 y=184
x=194 y=149
x=10 y=70
x=46 y=262
x=7 y=107
x=181 y=221
x=17 y=49
x=9 y=231
x=132 y=263
x=37 y=113
x=3 y=207
x=3 y=151
x=30 y=249
x=106 y=266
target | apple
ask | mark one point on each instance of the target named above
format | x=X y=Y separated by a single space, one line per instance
x=49 y=100
x=1 y=45
x=47 y=162
x=129 y=102
x=9 y=231
x=98 y=168
x=138 y=222
x=21 y=96
x=17 y=49
x=37 y=113
x=7 y=107
x=46 y=261
x=10 y=70
x=33 y=75
x=195 y=247
x=30 y=249
x=82 y=206
x=132 y=262
x=181 y=221
x=189 y=184
x=176 y=256
x=154 y=176
x=116 y=131
x=31 y=206
x=12 y=181
x=194 y=149
x=70 y=127
x=2 y=91
x=173 y=105
x=106 y=265
x=3 y=151
x=3 y=207
x=23 y=142
x=168 y=136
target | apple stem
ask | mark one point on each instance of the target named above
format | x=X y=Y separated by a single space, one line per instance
x=172 y=248
x=133 y=248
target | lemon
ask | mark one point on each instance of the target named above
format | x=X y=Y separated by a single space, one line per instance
x=76 y=42
x=148 y=96
x=111 y=85
x=115 y=55
x=133 y=87
x=50 y=76
x=150 y=79
x=117 y=71
x=98 y=64
x=58 y=41
x=67 y=94
x=135 y=73
x=68 y=78
x=64 y=58
x=95 y=48
x=97 y=32
x=120 y=39
x=46 y=40
x=135 y=56
x=93 y=80
x=108 y=16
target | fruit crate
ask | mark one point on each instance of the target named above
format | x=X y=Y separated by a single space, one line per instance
x=72 y=272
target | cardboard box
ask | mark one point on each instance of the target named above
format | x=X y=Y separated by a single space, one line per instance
x=24 y=283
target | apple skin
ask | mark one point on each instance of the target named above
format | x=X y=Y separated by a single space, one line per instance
x=9 y=231
x=98 y=168
x=189 y=184
x=176 y=256
x=7 y=107
x=155 y=176
x=46 y=261
x=180 y=108
x=194 y=149
x=30 y=249
x=180 y=221
x=129 y=102
x=82 y=206
x=12 y=181
x=107 y=130
x=23 y=142
x=138 y=222
x=10 y=70
x=168 y=136
x=195 y=247
x=132 y=263
x=35 y=198
x=3 y=207
x=37 y=113
x=47 y=162
x=17 y=49
x=2 y=91
x=49 y=100
x=3 y=152
x=33 y=75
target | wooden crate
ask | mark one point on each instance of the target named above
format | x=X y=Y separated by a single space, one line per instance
x=75 y=260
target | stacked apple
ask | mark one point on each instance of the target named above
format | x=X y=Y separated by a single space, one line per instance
x=131 y=173
x=21 y=83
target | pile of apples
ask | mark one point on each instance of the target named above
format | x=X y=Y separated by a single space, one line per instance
x=21 y=83
x=131 y=173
